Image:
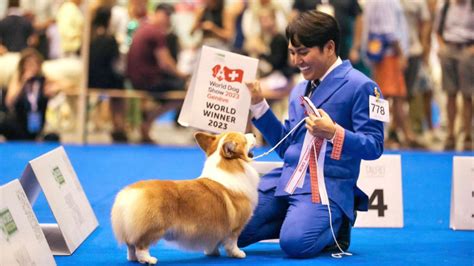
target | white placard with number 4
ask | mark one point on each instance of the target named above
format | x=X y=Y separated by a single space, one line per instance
x=381 y=180
x=378 y=109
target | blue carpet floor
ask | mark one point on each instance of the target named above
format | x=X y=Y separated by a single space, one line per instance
x=425 y=239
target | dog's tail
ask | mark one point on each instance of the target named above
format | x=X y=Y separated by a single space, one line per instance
x=122 y=215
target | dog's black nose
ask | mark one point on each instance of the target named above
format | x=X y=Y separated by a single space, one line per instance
x=250 y=154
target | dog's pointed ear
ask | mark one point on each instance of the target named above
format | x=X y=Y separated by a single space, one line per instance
x=204 y=140
x=228 y=149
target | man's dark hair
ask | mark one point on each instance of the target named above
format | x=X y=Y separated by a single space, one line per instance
x=313 y=28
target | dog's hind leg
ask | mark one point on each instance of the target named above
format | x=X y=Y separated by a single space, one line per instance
x=231 y=248
x=143 y=244
x=143 y=256
x=131 y=256
x=212 y=251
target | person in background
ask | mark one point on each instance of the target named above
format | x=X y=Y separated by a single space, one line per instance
x=237 y=10
x=216 y=24
x=26 y=99
x=42 y=13
x=296 y=215
x=151 y=66
x=70 y=21
x=455 y=34
x=418 y=19
x=250 y=20
x=271 y=48
x=384 y=21
x=103 y=57
x=137 y=12
x=425 y=83
x=16 y=31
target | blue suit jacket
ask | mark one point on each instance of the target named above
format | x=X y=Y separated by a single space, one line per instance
x=344 y=95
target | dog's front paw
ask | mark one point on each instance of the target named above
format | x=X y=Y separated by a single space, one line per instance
x=237 y=253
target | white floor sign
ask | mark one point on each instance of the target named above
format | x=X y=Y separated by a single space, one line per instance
x=21 y=240
x=54 y=174
x=462 y=194
x=381 y=180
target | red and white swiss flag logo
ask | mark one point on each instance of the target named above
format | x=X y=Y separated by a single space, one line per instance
x=227 y=74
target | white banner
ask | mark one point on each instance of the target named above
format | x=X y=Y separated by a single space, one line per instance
x=462 y=194
x=381 y=180
x=21 y=240
x=217 y=99
x=54 y=174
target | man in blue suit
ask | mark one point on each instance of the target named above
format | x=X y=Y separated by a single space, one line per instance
x=342 y=98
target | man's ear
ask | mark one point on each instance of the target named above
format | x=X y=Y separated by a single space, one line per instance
x=330 y=46
x=204 y=140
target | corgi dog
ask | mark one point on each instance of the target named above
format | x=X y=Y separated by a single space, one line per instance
x=199 y=214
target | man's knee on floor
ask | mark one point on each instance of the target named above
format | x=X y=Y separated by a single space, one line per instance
x=296 y=247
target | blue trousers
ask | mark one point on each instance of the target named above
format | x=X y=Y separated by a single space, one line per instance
x=302 y=226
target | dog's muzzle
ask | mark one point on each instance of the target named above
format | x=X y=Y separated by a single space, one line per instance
x=250 y=154
x=251 y=143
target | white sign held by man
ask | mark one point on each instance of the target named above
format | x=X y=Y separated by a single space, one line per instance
x=381 y=180
x=217 y=99
x=53 y=173
x=21 y=240
x=462 y=194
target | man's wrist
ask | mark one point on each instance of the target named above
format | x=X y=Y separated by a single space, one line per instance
x=259 y=109
x=331 y=139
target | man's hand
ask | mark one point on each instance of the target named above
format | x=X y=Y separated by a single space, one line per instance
x=255 y=92
x=322 y=127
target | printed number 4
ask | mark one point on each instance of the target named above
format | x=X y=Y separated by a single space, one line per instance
x=376 y=202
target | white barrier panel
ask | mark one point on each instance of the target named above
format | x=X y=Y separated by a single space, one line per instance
x=21 y=240
x=462 y=194
x=54 y=174
x=381 y=180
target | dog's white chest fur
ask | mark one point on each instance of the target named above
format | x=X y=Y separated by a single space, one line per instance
x=245 y=182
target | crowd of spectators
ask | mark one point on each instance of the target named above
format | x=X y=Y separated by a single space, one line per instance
x=414 y=49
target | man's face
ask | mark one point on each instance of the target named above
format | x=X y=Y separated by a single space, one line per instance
x=312 y=61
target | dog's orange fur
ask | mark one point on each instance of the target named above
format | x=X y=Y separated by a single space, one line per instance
x=198 y=214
